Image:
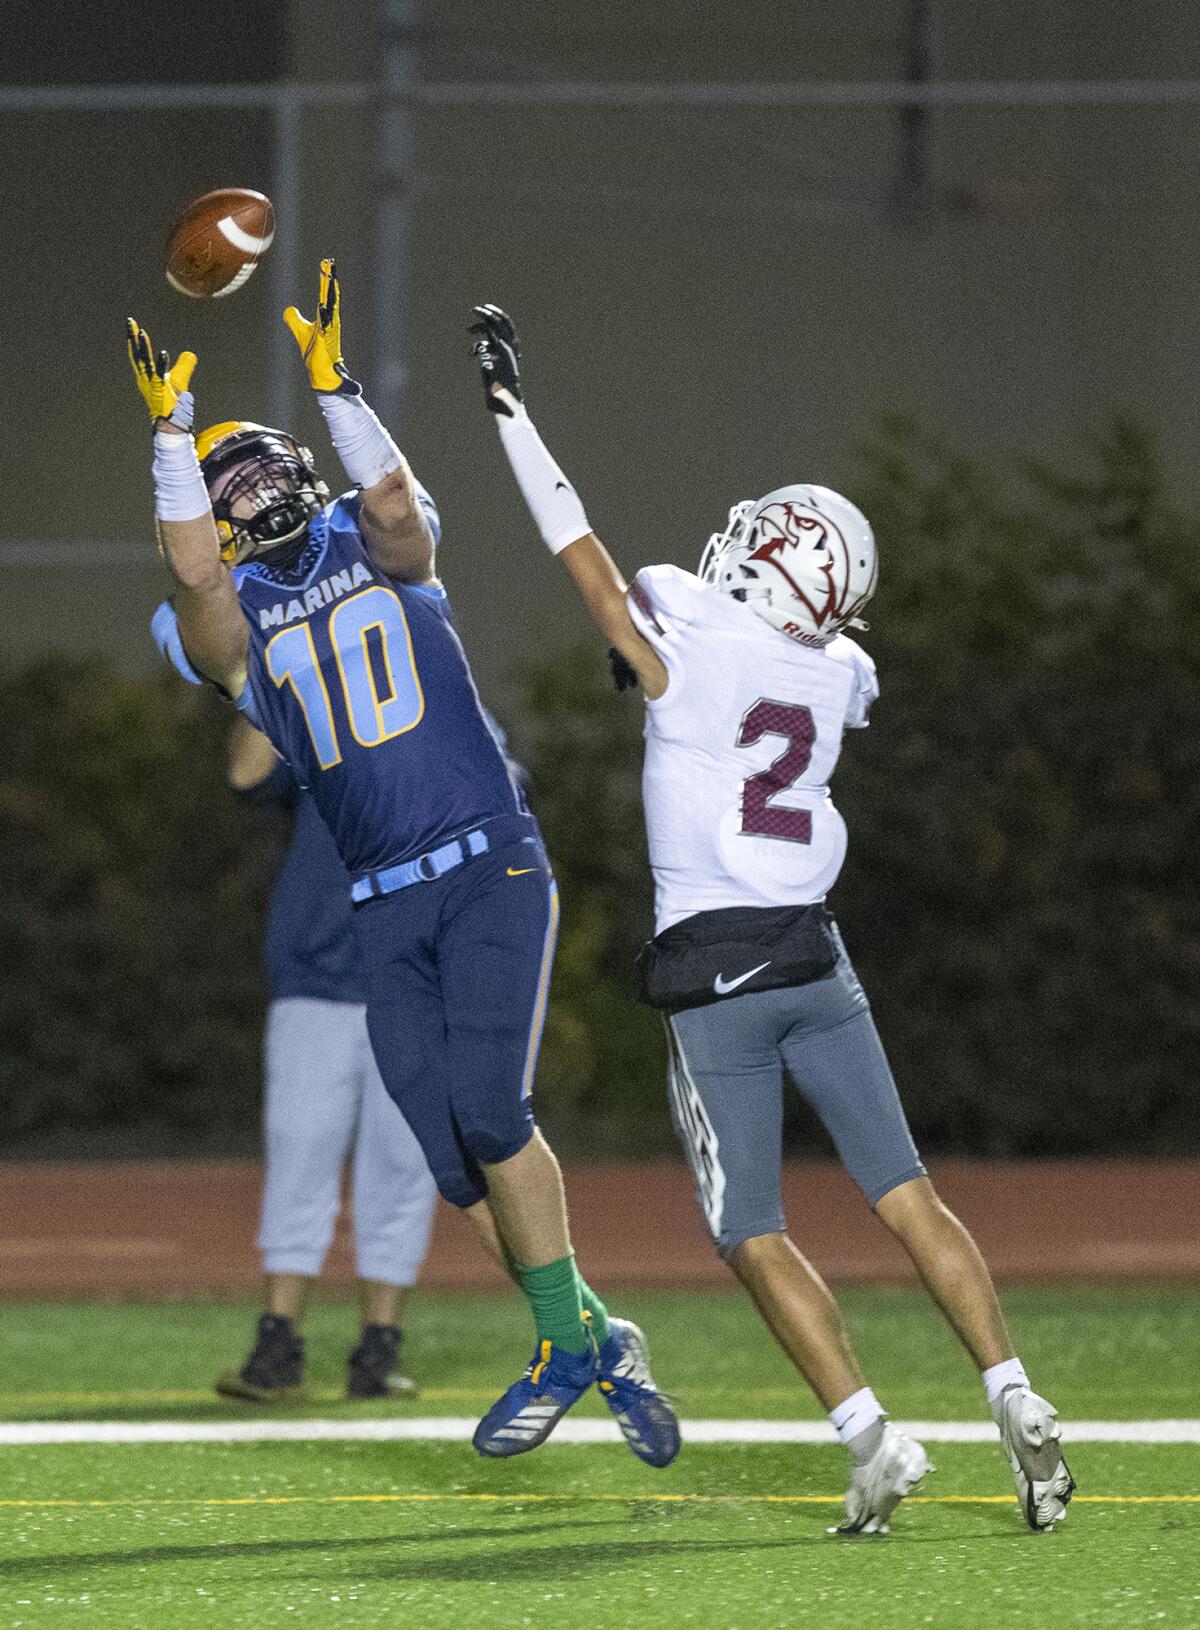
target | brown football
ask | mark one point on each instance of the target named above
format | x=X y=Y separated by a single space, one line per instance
x=217 y=242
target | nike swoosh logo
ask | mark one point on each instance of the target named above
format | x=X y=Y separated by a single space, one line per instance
x=563 y=486
x=524 y=872
x=723 y=986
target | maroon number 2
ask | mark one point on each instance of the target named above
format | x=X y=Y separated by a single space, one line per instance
x=759 y=816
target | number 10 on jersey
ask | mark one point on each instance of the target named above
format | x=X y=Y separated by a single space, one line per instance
x=380 y=689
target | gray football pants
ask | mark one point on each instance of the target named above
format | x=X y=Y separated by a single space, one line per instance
x=726 y=1068
x=324 y=1099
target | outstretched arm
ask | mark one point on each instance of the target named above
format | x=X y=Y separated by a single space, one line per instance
x=211 y=623
x=396 y=533
x=554 y=503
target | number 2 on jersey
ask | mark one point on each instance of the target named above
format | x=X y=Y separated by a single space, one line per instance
x=760 y=817
x=368 y=632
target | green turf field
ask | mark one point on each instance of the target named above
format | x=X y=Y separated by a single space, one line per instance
x=731 y=1537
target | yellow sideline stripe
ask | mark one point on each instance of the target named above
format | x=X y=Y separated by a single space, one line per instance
x=591 y=1499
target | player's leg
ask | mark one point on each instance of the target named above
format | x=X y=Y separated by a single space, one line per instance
x=595 y=1313
x=379 y=1301
x=726 y=1086
x=955 y=1274
x=308 y=1120
x=406 y=1022
x=529 y=1207
x=496 y=952
x=394 y=1197
x=725 y=1079
x=407 y=1028
x=834 y=1053
x=951 y=1267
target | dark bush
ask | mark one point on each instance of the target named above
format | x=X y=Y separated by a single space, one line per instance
x=131 y=896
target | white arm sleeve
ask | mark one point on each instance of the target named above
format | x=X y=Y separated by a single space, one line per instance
x=553 y=502
x=179 y=490
x=365 y=448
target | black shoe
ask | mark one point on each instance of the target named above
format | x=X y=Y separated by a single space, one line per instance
x=372 y=1372
x=274 y=1372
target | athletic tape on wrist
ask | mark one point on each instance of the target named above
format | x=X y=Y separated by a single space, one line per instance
x=557 y=510
x=365 y=448
x=179 y=490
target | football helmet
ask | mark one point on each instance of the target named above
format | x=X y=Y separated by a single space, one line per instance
x=803 y=557
x=263 y=486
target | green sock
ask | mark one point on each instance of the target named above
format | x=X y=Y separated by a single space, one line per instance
x=598 y=1322
x=553 y=1295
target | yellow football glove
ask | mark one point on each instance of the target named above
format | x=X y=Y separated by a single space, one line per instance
x=164 y=388
x=320 y=341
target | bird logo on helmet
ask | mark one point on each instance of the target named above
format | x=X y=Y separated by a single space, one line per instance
x=803 y=557
x=263 y=487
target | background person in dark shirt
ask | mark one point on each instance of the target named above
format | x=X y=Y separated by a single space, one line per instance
x=325 y=1102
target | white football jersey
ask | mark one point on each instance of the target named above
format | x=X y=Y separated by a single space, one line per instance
x=740 y=750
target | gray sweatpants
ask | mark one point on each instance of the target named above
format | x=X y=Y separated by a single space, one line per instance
x=325 y=1097
x=726 y=1069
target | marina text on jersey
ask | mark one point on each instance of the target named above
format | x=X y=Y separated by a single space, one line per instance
x=322 y=593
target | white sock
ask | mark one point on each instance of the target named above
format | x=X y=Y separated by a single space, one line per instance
x=859 y=1411
x=1010 y=1373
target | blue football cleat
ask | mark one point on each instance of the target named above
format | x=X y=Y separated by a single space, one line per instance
x=643 y=1413
x=533 y=1406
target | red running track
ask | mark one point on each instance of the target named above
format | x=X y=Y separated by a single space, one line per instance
x=175 y=1227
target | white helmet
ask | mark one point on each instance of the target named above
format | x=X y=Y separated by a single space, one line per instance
x=803 y=557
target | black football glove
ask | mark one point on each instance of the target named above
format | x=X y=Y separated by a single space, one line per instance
x=624 y=675
x=499 y=356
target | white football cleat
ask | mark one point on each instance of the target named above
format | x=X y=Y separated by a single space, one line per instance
x=878 y=1487
x=1030 y=1433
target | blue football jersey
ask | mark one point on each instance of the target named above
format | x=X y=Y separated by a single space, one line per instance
x=361 y=684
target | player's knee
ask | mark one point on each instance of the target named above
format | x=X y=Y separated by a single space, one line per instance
x=307 y=1157
x=751 y=1242
x=457 y=1191
x=493 y=1124
x=494 y=1139
x=457 y=1186
x=455 y=1173
x=905 y=1199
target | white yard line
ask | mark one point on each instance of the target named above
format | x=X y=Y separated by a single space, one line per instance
x=458 y=1429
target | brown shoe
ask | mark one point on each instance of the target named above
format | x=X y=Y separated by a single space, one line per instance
x=274 y=1372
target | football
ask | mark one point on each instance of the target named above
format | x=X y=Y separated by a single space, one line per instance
x=217 y=241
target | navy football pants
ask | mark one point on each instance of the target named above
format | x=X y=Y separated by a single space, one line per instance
x=458 y=973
